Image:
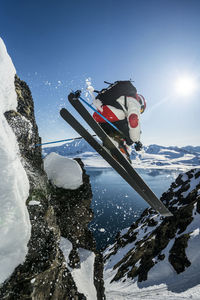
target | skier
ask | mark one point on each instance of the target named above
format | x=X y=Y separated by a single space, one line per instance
x=113 y=156
x=122 y=105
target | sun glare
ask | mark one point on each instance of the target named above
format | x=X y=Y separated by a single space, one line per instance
x=185 y=85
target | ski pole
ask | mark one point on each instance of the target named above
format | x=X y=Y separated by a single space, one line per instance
x=67 y=140
x=77 y=94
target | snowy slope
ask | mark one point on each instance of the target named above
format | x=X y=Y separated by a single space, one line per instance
x=156 y=156
x=159 y=257
x=152 y=156
x=14 y=186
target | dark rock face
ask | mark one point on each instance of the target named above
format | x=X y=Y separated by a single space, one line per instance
x=68 y=203
x=58 y=212
x=24 y=126
x=177 y=257
x=151 y=234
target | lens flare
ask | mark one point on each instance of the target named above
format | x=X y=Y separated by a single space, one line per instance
x=185 y=86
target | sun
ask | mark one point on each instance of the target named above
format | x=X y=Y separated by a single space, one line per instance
x=185 y=85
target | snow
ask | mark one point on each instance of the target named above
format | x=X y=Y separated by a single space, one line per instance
x=89 y=86
x=14 y=185
x=83 y=276
x=34 y=202
x=130 y=291
x=193 y=183
x=7 y=89
x=63 y=172
x=195 y=233
x=163 y=282
x=66 y=247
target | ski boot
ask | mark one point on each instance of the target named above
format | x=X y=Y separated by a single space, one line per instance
x=123 y=147
x=120 y=143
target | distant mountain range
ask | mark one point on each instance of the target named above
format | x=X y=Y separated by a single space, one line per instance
x=152 y=156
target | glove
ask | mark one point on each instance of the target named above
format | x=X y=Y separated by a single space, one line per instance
x=138 y=146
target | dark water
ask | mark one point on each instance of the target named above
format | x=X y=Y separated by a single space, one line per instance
x=116 y=205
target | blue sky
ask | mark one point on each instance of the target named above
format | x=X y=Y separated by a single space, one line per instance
x=56 y=45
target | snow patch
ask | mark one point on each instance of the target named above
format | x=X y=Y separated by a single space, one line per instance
x=66 y=247
x=63 y=172
x=15 y=225
x=195 y=233
x=34 y=202
x=83 y=276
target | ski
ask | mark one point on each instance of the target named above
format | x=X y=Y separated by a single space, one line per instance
x=136 y=183
x=142 y=188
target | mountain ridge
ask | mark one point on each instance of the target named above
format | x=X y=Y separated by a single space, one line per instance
x=151 y=156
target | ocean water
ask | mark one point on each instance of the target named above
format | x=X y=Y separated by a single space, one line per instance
x=116 y=205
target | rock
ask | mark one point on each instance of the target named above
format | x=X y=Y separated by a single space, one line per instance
x=177 y=257
x=72 y=208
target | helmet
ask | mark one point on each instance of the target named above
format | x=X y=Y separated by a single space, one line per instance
x=142 y=102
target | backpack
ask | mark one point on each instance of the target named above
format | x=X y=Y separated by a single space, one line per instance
x=115 y=90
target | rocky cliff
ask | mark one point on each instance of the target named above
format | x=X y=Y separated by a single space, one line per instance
x=54 y=213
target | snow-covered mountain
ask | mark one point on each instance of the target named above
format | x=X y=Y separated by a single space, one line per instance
x=155 y=156
x=152 y=156
x=76 y=147
x=157 y=256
